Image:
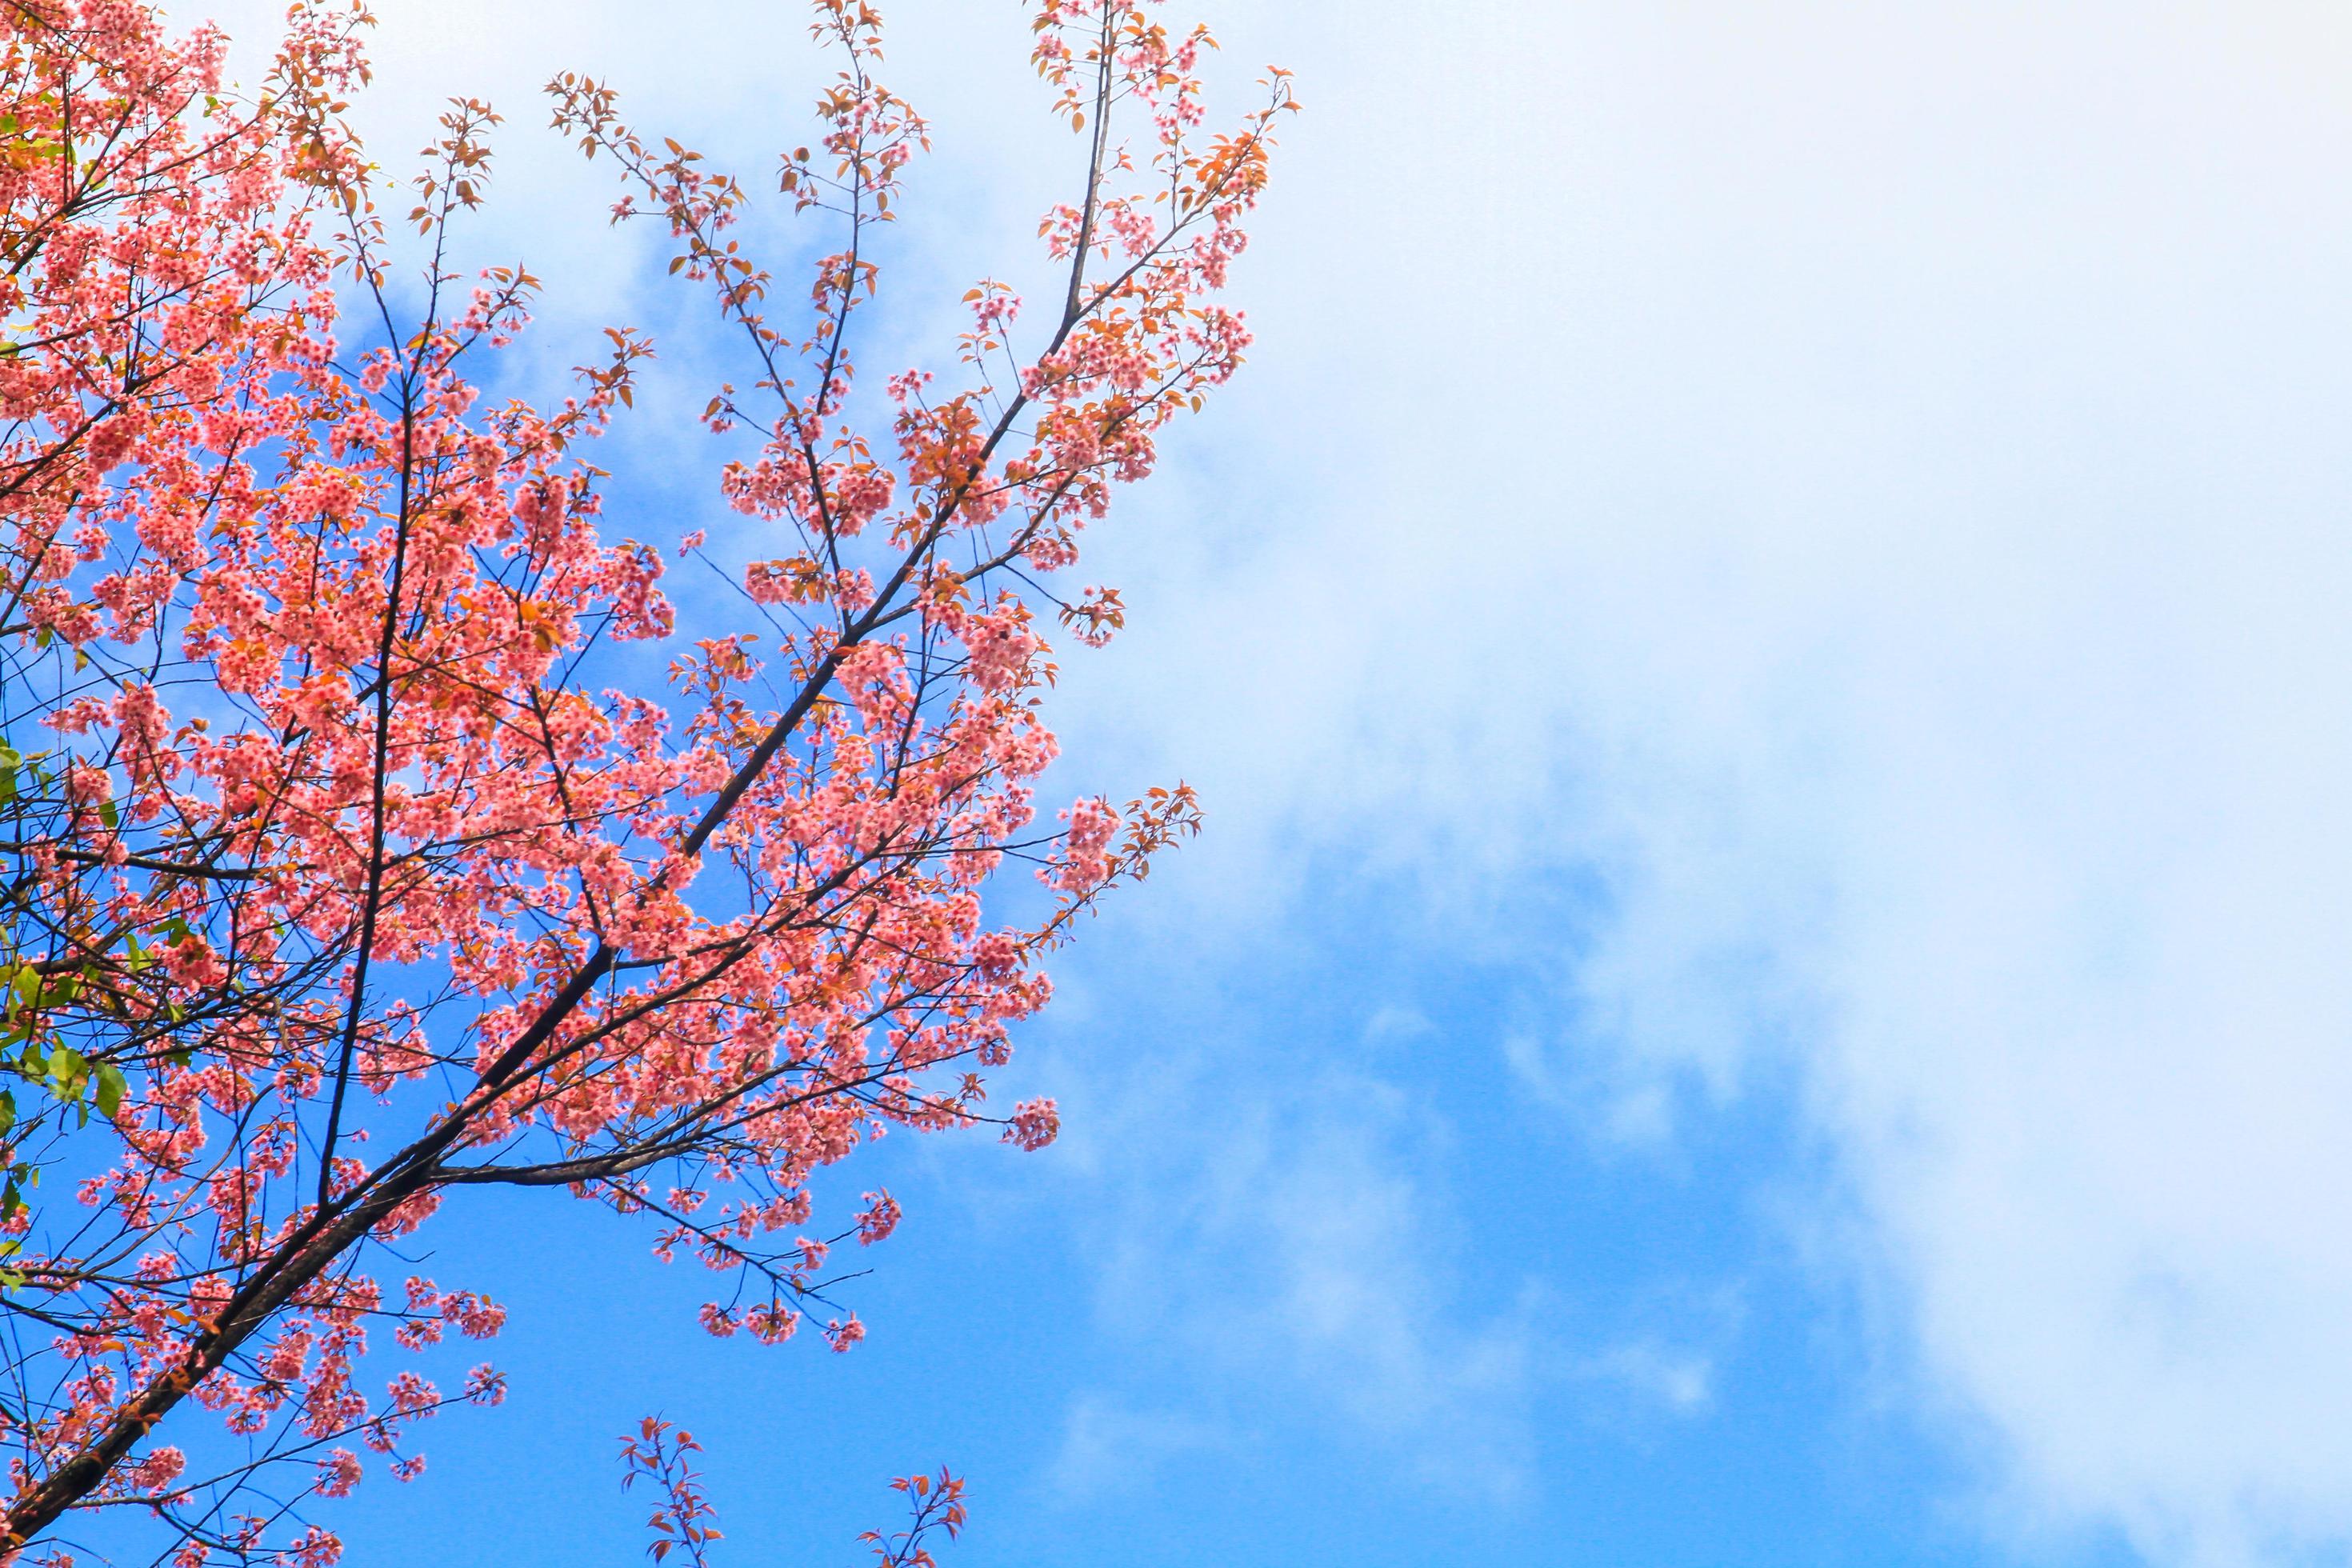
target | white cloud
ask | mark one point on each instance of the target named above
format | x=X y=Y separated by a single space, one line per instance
x=1867 y=489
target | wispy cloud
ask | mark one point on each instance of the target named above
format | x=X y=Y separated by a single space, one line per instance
x=1291 y=1249
x=1107 y=1446
x=1682 y=1382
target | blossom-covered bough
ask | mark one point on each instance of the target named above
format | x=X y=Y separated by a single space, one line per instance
x=343 y=868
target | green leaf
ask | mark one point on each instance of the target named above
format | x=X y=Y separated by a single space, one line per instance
x=111 y=1086
x=69 y=1070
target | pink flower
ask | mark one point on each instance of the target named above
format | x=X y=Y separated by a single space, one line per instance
x=338 y=1472
x=485 y=1385
x=879 y=1219
x=160 y=1469
x=86 y=786
x=1034 y=1123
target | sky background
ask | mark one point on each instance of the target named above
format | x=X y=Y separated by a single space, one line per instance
x=1769 y=980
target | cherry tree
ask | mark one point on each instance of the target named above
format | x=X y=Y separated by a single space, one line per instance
x=351 y=864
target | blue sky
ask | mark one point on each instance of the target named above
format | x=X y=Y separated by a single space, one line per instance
x=1764 y=642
